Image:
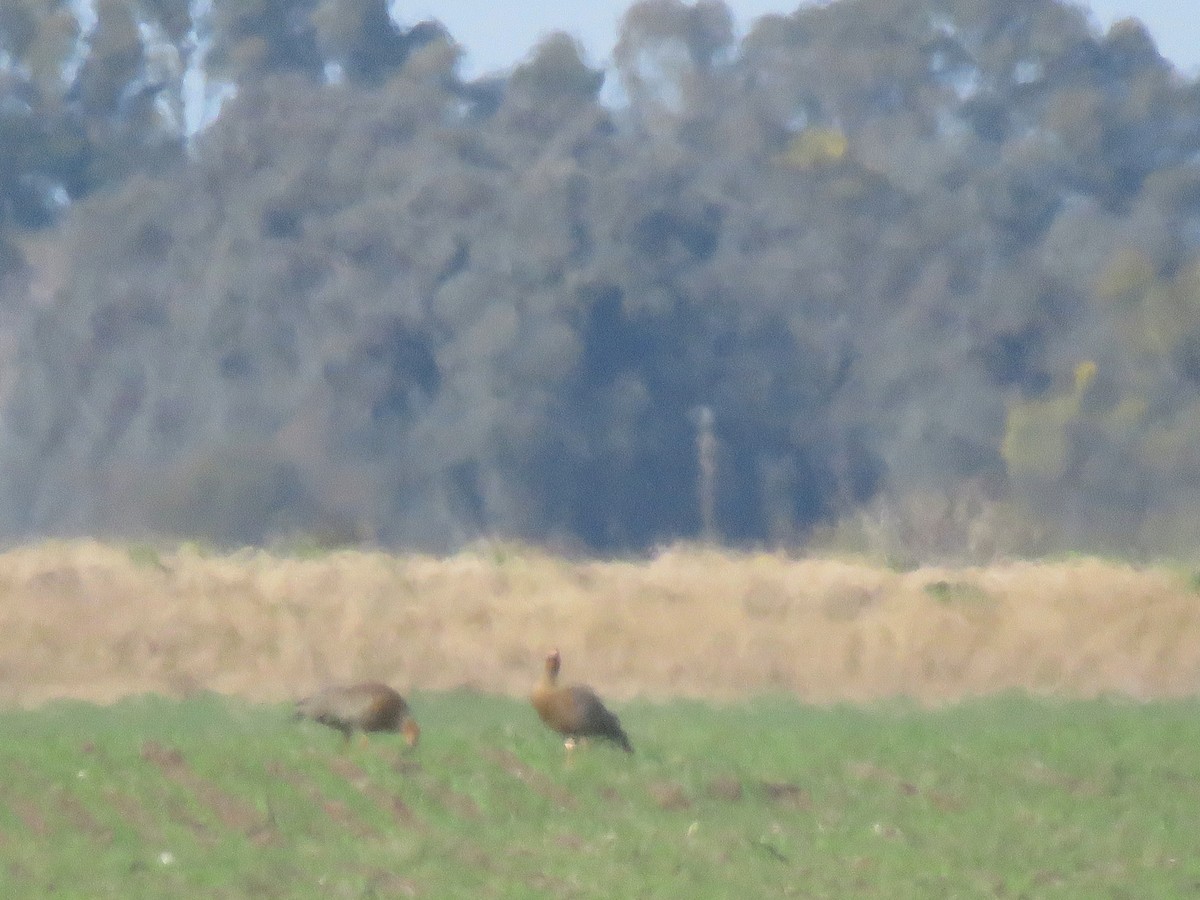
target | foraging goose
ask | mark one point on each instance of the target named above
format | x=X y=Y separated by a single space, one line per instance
x=574 y=711
x=369 y=706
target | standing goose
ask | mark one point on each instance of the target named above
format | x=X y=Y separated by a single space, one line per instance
x=574 y=711
x=369 y=706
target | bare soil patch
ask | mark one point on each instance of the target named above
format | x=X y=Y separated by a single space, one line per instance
x=535 y=780
x=232 y=812
x=337 y=811
x=98 y=622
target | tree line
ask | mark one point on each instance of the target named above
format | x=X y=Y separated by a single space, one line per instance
x=273 y=267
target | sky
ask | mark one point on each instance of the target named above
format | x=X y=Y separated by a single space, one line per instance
x=496 y=35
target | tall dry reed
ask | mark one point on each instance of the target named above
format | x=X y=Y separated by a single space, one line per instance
x=98 y=621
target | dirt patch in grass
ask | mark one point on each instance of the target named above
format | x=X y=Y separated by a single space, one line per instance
x=535 y=780
x=133 y=814
x=669 y=796
x=939 y=800
x=232 y=812
x=56 y=804
x=1043 y=775
x=787 y=795
x=390 y=884
x=459 y=804
x=401 y=812
x=334 y=809
x=384 y=796
x=29 y=813
x=725 y=787
x=88 y=620
x=78 y=818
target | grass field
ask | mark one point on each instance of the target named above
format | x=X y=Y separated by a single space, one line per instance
x=217 y=797
x=146 y=748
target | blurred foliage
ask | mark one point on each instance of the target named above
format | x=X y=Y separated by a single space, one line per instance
x=815 y=146
x=933 y=269
x=1036 y=437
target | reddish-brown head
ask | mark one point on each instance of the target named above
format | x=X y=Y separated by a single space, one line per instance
x=411 y=731
x=553 y=663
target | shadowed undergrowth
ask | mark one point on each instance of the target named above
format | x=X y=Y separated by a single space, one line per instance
x=214 y=797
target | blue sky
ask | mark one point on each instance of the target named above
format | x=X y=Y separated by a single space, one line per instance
x=498 y=34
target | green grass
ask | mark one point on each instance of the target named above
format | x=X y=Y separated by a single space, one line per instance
x=956 y=591
x=212 y=797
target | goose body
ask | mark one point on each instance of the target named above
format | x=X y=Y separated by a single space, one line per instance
x=369 y=706
x=574 y=711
